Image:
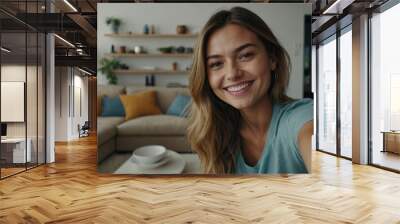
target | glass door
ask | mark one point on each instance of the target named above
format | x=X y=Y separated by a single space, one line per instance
x=13 y=105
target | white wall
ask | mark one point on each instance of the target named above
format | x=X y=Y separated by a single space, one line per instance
x=61 y=103
x=285 y=20
x=67 y=80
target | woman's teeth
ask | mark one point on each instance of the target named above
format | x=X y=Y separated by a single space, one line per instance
x=238 y=87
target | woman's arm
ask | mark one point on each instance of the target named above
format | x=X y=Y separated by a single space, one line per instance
x=304 y=143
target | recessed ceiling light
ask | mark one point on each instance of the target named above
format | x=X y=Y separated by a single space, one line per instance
x=64 y=40
x=70 y=5
x=5 y=49
x=333 y=6
x=86 y=72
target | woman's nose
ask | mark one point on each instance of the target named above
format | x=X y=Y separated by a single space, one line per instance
x=233 y=72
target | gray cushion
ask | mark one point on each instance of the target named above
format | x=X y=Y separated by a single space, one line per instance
x=154 y=125
x=165 y=95
x=107 y=128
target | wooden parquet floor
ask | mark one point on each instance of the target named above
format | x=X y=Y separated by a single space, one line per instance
x=71 y=191
x=10 y=171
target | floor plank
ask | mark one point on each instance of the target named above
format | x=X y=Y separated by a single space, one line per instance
x=71 y=191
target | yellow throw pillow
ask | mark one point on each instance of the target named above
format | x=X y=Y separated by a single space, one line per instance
x=99 y=99
x=140 y=104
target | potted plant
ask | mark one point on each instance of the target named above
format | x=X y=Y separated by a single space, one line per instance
x=107 y=68
x=114 y=22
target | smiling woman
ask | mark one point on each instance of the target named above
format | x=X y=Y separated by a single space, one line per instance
x=241 y=120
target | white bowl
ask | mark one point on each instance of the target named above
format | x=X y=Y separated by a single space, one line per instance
x=149 y=154
x=150 y=165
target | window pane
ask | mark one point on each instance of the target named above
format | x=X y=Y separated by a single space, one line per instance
x=345 y=94
x=327 y=96
x=385 y=84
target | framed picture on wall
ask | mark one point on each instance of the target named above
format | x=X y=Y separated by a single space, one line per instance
x=12 y=101
x=246 y=59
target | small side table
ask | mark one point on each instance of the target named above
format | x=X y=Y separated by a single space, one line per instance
x=391 y=141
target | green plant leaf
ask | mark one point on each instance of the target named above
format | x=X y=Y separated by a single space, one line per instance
x=107 y=68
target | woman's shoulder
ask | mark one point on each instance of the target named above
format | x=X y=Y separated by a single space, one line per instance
x=293 y=114
x=298 y=102
x=291 y=118
x=297 y=106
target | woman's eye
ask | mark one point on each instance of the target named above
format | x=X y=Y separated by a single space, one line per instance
x=246 y=56
x=215 y=65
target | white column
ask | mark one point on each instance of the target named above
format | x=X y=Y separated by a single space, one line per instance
x=360 y=90
x=314 y=91
x=50 y=109
x=50 y=93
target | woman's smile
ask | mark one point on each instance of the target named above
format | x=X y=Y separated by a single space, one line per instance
x=240 y=88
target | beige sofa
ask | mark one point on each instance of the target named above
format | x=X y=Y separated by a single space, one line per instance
x=114 y=134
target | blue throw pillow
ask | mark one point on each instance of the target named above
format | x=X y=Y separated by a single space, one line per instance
x=112 y=107
x=179 y=106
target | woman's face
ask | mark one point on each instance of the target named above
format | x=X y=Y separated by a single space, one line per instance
x=238 y=66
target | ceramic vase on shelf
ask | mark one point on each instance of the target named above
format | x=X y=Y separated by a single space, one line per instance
x=181 y=29
x=115 y=29
x=122 y=49
x=147 y=81
x=174 y=66
x=112 y=49
x=138 y=49
x=146 y=29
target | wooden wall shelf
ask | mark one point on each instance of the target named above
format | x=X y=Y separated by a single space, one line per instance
x=130 y=55
x=133 y=35
x=148 y=71
x=156 y=54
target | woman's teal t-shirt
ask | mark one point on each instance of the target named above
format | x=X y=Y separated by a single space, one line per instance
x=281 y=153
